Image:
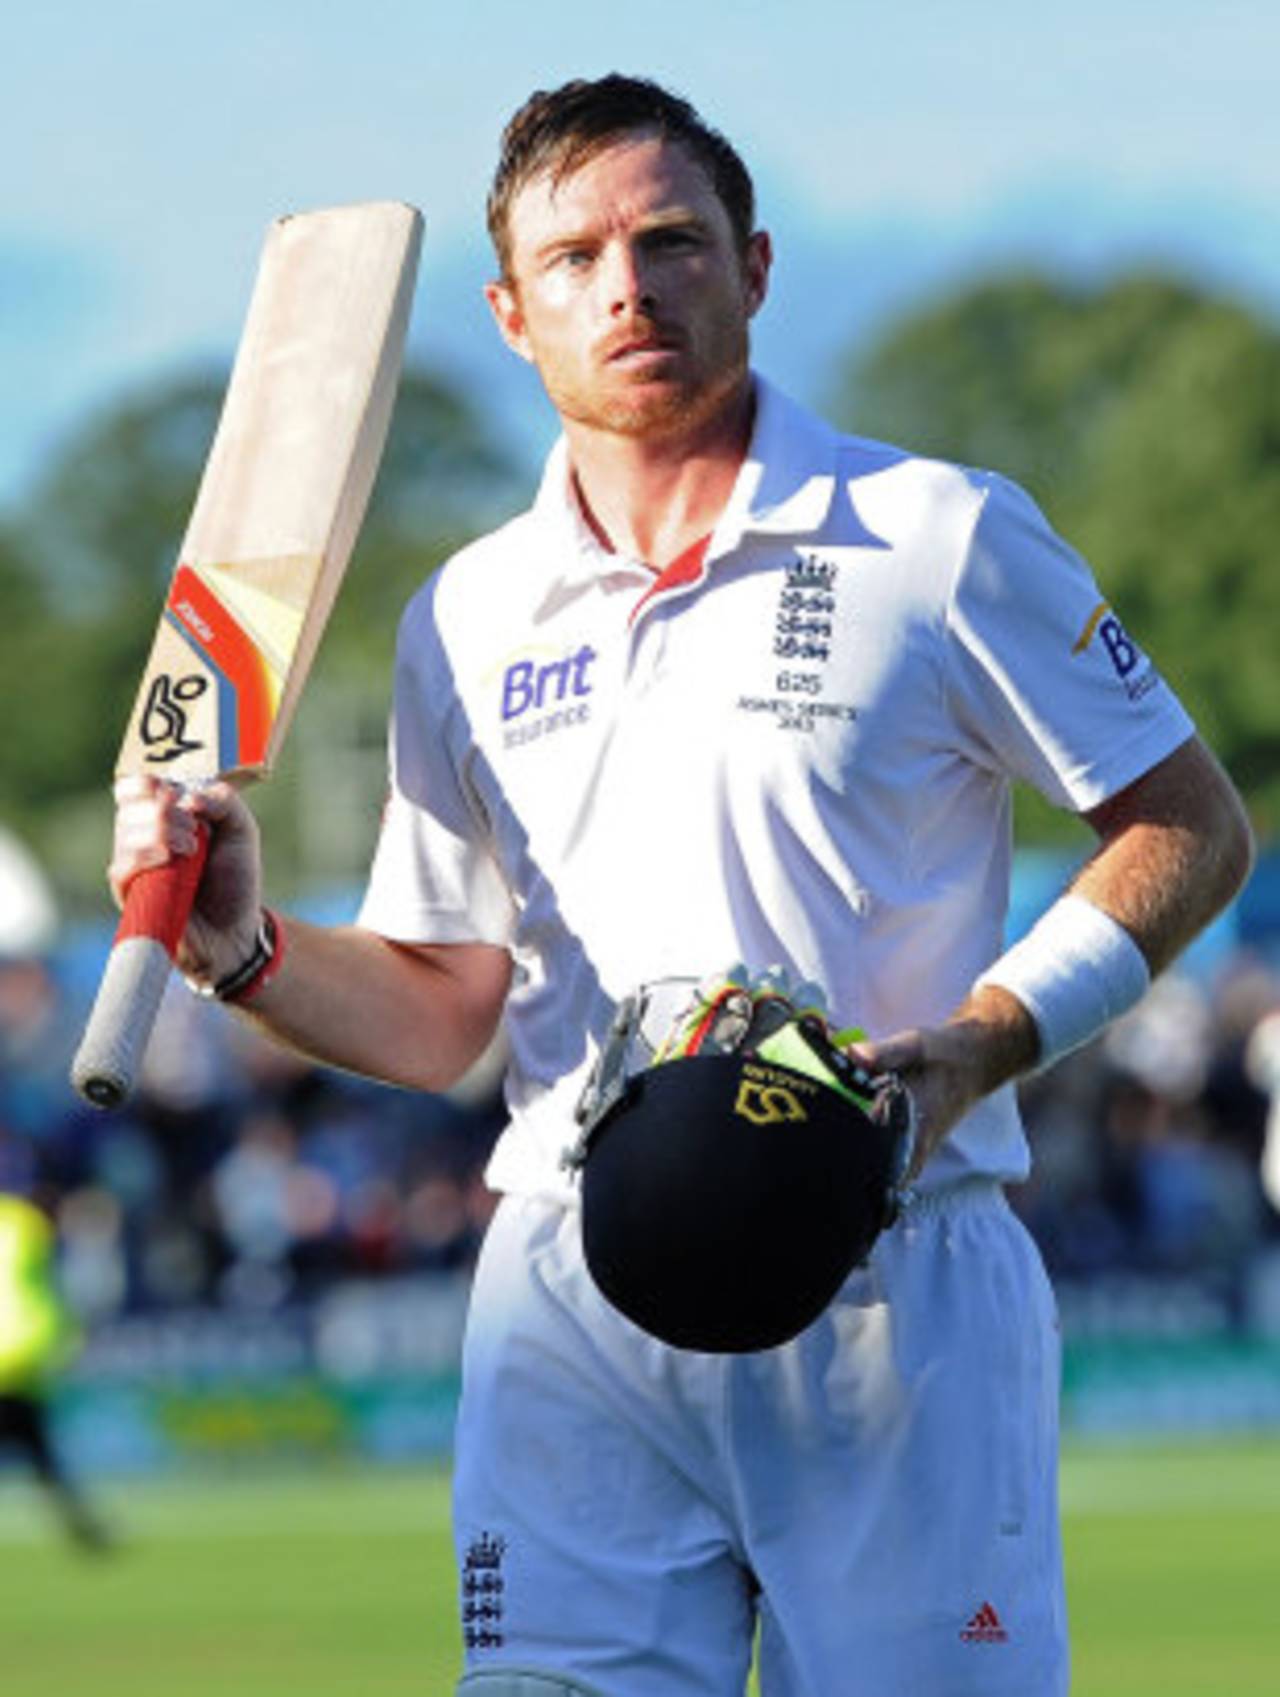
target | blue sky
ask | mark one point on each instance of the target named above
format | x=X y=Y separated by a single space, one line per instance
x=896 y=151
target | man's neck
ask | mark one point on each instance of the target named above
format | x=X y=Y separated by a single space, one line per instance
x=651 y=500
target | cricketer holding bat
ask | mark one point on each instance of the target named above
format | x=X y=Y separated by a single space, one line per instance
x=736 y=689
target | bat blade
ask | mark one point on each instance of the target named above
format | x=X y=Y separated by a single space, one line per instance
x=274 y=523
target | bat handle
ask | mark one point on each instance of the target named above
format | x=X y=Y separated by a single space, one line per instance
x=156 y=909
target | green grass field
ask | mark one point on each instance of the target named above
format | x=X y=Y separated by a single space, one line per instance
x=339 y=1582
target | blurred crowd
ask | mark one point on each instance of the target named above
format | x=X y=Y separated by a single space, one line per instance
x=1157 y=1149
x=241 y=1176
x=238 y=1174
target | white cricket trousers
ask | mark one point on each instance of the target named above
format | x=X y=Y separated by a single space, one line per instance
x=878 y=1497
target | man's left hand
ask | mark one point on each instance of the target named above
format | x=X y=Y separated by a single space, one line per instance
x=990 y=1039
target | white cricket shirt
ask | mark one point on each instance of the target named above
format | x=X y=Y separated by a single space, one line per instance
x=799 y=755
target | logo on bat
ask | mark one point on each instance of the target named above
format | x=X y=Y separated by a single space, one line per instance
x=163 y=726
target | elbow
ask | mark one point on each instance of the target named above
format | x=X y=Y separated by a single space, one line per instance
x=450 y=1001
x=1239 y=847
x=1227 y=850
x=1209 y=803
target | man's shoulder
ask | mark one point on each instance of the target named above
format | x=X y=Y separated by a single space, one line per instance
x=796 y=429
x=909 y=493
x=914 y=468
x=482 y=573
x=498 y=552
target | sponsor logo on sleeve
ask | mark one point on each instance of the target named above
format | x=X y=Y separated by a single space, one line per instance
x=1130 y=665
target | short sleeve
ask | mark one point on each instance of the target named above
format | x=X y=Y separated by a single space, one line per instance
x=1045 y=682
x=434 y=877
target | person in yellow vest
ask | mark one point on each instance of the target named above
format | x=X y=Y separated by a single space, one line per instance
x=37 y=1339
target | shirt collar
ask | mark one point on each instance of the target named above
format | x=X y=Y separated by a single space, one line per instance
x=787 y=481
x=785 y=486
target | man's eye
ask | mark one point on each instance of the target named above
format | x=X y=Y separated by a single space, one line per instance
x=673 y=240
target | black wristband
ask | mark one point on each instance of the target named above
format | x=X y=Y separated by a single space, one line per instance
x=253 y=970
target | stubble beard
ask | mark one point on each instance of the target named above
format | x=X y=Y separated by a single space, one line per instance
x=659 y=412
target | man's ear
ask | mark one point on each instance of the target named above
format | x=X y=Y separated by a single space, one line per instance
x=504 y=303
x=756 y=265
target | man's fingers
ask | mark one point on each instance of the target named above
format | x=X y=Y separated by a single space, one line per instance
x=903 y=1054
x=152 y=826
x=216 y=801
x=137 y=786
x=900 y=1053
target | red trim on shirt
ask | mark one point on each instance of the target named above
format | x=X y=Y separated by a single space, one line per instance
x=685 y=569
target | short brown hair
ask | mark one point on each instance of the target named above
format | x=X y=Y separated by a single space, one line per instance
x=558 y=130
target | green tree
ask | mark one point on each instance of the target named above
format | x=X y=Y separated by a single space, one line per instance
x=1144 y=415
x=54 y=727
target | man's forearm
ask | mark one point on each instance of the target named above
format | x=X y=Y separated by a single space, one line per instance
x=1176 y=847
x=415 y=1016
x=998 y=1035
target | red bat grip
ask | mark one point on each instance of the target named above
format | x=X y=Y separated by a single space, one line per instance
x=157 y=906
x=158 y=901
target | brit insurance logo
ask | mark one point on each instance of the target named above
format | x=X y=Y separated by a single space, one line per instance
x=1130 y=665
x=543 y=693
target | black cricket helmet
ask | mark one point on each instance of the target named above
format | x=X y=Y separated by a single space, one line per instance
x=730 y=1188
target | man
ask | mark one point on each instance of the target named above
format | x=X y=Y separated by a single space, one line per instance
x=37 y=1337
x=736 y=688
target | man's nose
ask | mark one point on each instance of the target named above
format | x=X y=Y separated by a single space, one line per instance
x=629 y=281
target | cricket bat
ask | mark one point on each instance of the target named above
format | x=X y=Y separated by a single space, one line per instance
x=280 y=502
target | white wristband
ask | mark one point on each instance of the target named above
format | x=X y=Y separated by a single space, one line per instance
x=1075 y=971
